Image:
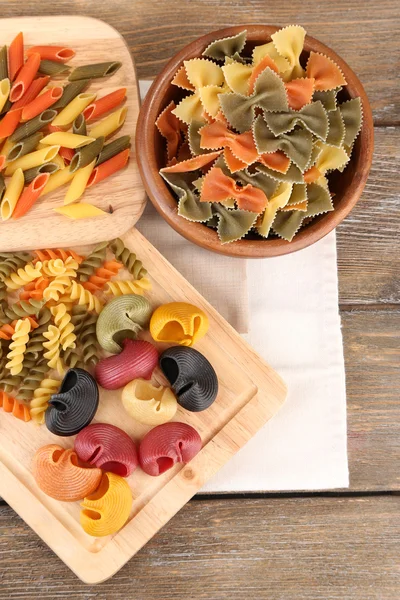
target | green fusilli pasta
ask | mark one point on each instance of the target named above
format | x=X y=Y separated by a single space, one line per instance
x=128 y=258
x=92 y=262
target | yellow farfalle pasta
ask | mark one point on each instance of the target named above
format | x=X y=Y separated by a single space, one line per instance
x=330 y=158
x=237 y=77
x=41 y=396
x=61 y=283
x=209 y=98
x=84 y=297
x=63 y=321
x=17 y=347
x=203 y=71
x=279 y=199
x=289 y=43
x=52 y=346
x=178 y=323
x=108 y=508
x=120 y=288
x=149 y=404
x=269 y=49
x=23 y=276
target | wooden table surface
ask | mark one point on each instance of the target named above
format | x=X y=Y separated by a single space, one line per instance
x=326 y=546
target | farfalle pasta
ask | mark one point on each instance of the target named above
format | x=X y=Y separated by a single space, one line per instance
x=245 y=119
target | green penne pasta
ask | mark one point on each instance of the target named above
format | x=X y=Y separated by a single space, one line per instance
x=79 y=125
x=27 y=129
x=50 y=167
x=3 y=63
x=94 y=71
x=2 y=186
x=71 y=90
x=6 y=107
x=113 y=148
x=53 y=68
x=84 y=156
x=24 y=146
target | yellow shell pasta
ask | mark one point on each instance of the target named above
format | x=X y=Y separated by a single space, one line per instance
x=73 y=109
x=147 y=403
x=67 y=139
x=110 y=124
x=18 y=346
x=33 y=159
x=12 y=194
x=23 y=276
x=120 y=287
x=178 y=323
x=41 y=396
x=78 y=184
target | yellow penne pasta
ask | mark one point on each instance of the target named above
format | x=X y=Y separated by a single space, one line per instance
x=8 y=144
x=33 y=159
x=78 y=184
x=58 y=160
x=110 y=124
x=80 y=211
x=12 y=194
x=4 y=92
x=73 y=109
x=67 y=140
x=58 y=179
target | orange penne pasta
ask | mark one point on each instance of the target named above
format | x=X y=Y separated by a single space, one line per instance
x=33 y=90
x=109 y=167
x=30 y=195
x=9 y=122
x=56 y=53
x=40 y=103
x=66 y=153
x=16 y=56
x=54 y=128
x=2 y=161
x=25 y=77
x=103 y=105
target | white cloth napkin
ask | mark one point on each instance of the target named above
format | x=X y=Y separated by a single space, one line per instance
x=294 y=324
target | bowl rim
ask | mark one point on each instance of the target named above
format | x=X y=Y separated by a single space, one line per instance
x=165 y=202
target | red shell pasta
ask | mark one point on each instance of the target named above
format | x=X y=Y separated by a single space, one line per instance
x=107 y=447
x=137 y=360
x=166 y=445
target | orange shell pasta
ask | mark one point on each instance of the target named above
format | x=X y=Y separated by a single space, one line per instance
x=58 y=474
x=299 y=92
x=178 y=323
x=107 y=509
x=12 y=406
x=326 y=73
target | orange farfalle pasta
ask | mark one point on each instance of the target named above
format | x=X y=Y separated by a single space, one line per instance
x=16 y=55
x=278 y=161
x=30 y=194
x=217 y=135
x=25 y=77
x=233 y=163
x=299 y=92
x=32 y=92
x=10 y=122
x=192 y=164
x=109 y=167
x=56 y=53
x=266 y=62
x=312 y=175
x=53 y=253
x=170 y=128
x=181 y=80
x=40 y=103
x=34 y=289
x=104 y=104
x=12 y=406
x=218 y=187
x=326 y=73
x=102 y=275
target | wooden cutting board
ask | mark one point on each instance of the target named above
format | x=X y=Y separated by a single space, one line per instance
x=122 y=196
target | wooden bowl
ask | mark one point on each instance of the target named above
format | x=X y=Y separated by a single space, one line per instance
x=150 y=151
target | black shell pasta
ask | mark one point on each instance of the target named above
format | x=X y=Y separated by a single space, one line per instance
x=75 y=405
x=191 y=376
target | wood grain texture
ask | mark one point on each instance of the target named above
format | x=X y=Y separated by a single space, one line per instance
x=250 y=393
x=122 y=196
x=266 y=549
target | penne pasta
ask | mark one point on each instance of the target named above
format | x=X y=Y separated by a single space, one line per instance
x=33 y=159
x=110 y=124
x=40 y=103
x=95 y=71
x=80 y=210
x=71 y=90
x=30 y=195
x=108 y=168
x=34 y=90
x=52 y=68
x=14 y=150
x=4 y=92
x=79 y=125
x=67 y=139
x=113 y=148
x=7 y=146
x=25 y=77
x=57 y=180
x=85 y=155
x=16 y=55
x=55 y=53
x=105 y=104
x=73 y=109
x=58 y=160
x=2 y=186
x=67 y=154
x=49 y=168
x=78 y=184
x=11 y=195
x=9 y=122
x=30 y=127
x=3 y=63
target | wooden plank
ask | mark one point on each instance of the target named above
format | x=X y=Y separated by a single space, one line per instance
x=365 y=37
x=123 y=200
x=264 y=549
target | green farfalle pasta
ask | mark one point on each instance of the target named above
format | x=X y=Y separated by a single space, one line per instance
x=189 y=205
x=312 y=116
x=351 y=112
x=92 y=262
x=337 y=130
x=128 y=258
x=226 y=47
x=233 y=224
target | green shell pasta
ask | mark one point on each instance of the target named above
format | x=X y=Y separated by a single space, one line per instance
x=128 y=258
